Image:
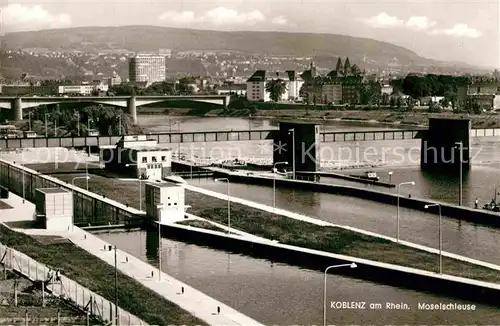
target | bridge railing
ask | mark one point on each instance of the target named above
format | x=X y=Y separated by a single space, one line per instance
x=89 y=208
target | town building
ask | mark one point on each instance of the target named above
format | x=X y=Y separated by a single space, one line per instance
x=235 y=89
x=484 y=94
x=150 y=68
x=114 y=80
x=93 y=88
x=256 y=85
x=140 y=156
x=167 y=53
x=165 y=202
x=386 y=89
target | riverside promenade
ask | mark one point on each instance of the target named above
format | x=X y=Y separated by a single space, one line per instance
x=192 y=300
x=308 y=219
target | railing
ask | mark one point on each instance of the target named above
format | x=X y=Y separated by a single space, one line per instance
x=88 y=208
x=66 y=288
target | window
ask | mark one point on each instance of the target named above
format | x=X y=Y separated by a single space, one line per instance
x=144 y=160
x=163 y=158
x=153 y=159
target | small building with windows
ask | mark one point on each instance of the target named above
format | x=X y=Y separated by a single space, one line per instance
x=138 y=156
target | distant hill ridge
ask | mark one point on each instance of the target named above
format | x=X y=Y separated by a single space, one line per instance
x=151 y=38
x=144 y=38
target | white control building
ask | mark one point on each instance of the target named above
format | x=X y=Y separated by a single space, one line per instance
x=165 y=202
x=54 y=208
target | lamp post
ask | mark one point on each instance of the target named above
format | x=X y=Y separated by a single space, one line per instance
x=411 y=183
x=24 y=187
x=390 y=176
x=496 y=193
x=78 y=122
x=120 y=124
x=29 y=119
x=440 y=238
x=140 y=185
x=87 y=174
x=76 y=178
x=292 y=132
x=228 y=202
x=116 y=290
x=352 y=265
x=460 y=146
x=73 y=183
x=88 y=126
x=274 y=182
x=46 y=126
x=159 y=242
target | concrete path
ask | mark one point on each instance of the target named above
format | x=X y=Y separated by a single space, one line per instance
x=192 y=300
x=223 y=227
x=20 y=211
x=323 y=223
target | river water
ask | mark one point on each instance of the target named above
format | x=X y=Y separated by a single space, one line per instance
x=402 y=157
x=278 y=294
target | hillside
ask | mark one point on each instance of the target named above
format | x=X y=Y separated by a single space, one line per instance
x=367 y=53
x=144 y=38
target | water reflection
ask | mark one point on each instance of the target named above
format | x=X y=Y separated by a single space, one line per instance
x=277 y=294
x=420 y=227
x=164 y=123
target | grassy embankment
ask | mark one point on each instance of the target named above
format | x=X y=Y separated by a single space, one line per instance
x=201 y=224
x=299 y=233
x=97 y=276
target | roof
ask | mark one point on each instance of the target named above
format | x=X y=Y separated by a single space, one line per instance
x=262 y=75
x=234 y=87
x=53 y=190
x=259 y=75
x=163 y=184
x=149 y=149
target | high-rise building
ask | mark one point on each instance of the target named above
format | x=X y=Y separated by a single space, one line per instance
x=147 y=68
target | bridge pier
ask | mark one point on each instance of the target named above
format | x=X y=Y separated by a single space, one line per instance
x=17 y=109
x=132 y=109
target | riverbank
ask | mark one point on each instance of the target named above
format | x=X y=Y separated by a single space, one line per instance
x=416 y=118
x=95 y=274
x=298 y=233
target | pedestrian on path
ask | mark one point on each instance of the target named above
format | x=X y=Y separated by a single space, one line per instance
x=476 y=203
x=58 y=276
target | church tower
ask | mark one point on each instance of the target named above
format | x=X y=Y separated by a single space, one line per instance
x=339 y=69
x=347 y=66
x=313 y=70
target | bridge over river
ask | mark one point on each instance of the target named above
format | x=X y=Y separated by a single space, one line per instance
x=218 y=136
x=129 y=103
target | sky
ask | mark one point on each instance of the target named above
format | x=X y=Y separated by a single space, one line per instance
x=467 y=31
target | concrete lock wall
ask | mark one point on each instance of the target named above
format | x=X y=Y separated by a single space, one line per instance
x=366 y=271
x=438 y=148
x=307 y=142
x=89 y=208
x=459 y=212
